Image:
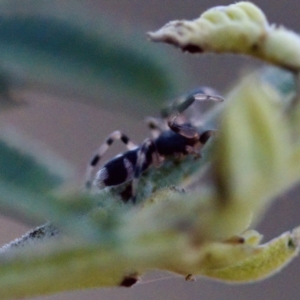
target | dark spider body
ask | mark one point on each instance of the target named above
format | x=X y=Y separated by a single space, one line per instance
x=170 y=139
x=170 y=143
x=118 y=167
x=167 y=144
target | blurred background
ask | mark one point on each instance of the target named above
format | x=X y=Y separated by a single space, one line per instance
x=72 y=117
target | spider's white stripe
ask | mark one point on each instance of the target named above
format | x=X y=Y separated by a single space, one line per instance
x=101 y=175
x=129 y=168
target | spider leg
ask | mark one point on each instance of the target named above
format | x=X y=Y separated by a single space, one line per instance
x=147 y=156
x=193 y=151
x=190 y=132
x=184 y=129
x=204 y=137
x=116 y=135
x=181 y=106
x=156 y=126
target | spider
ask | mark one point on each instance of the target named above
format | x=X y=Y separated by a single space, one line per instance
x=172 y=136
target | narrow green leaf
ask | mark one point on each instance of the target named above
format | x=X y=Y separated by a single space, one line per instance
x=28 y=173
x=30 y=165
x=88 y=56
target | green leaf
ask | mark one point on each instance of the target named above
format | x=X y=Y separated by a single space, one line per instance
x=8 y=99
x=30 y=165
x=267 y=260
x=252 y=153
x=68 y=215
x=72 y=52
x=281 y=80
x=30 y=180
x=67 y=265
x=28 y=173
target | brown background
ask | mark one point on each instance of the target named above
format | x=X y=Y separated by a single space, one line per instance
x=74 y=130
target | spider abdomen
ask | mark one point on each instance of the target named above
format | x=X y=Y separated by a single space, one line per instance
x=118 y=170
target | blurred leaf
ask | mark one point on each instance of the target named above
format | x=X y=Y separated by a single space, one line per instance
x=8 y=99
x=23 y=170
x=28 y=173
x=281 y=80
x=75 y=53
x=69 y=265
x=62 y=267
x=30 y=165
x=30 y=178
x=67 y=214
x=252 y=153
x=253 y=159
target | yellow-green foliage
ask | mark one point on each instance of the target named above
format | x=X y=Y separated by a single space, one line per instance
x=206 y=230
x=239 y=28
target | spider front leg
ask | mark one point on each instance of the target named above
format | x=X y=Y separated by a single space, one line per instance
x=186 y=100
x=116 y=135
x=203 y=138
x=184 y=129
x=200 y=95
x=206 y=135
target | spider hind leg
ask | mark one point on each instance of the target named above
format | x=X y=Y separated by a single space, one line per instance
x=116 y=135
